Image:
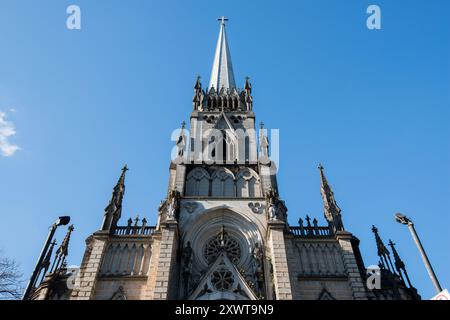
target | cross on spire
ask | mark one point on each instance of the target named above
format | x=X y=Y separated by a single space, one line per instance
x=222 y=19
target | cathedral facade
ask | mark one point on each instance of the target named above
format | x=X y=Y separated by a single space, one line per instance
x=222 y=232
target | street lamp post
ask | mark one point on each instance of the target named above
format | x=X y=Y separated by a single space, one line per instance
x=60 y=222
x=400 y=218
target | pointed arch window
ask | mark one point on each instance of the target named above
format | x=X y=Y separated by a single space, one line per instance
x=222 y=183
x=197 y=183
x=248 y=184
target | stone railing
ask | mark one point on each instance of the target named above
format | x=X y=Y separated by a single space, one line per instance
x=134 y=229
x=310 y=230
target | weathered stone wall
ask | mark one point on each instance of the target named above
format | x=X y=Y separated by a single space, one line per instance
x=133 y=288
x=85 y=281
x=281 y=272
x=323 y=268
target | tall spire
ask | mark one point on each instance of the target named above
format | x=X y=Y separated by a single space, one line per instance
x=331 y=210
x=382 y=251
x=114 y=209
x=399 y=264
x=222 y=75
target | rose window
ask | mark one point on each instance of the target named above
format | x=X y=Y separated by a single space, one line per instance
x=222 y=243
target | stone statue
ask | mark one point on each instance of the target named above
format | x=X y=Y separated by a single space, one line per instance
x=181 y=143
x=264 y=142
x=258 y=266
x=172 y=206
x=272 y=204
x=187 y=257
x=273 y=212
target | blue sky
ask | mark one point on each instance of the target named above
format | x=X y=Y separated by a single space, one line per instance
x=372 y=106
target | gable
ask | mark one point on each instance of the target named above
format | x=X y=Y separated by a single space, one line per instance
x=223 y=281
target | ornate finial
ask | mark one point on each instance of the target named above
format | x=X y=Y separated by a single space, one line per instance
x=382 y=250
x=198 y=84
x=331 y=210
x=261 y=125
x=183 y=125
x=222 y=19
x=136 y=220
x=64 y=247
x=399 y=264
x=308 y=220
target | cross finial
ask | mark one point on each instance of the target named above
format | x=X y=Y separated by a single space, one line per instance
x=222 y=19
x=183 y=124
x=320 y=167
x=125 y=168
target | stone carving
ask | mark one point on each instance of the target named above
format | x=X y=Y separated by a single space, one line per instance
x=198 y=95
x=258 y=267
x=181 y=142
x=276 y=209
x=248 y=94
x=263 y=143
x=190 y=206
x=186 y=257
x=119 y=294
x=272 y=204
x=172 y=204
x=256 y=207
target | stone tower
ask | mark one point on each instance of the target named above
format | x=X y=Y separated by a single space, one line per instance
x=222 y=231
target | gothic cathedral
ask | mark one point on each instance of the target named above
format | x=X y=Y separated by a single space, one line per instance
x=222 y=232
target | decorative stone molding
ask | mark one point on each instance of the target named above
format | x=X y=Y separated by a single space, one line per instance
x=256 y=207
x=190 y=206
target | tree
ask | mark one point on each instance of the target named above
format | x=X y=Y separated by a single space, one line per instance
x=11 y=284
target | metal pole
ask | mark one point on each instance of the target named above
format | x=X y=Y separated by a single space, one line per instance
x=37 y=269
x=424 y=257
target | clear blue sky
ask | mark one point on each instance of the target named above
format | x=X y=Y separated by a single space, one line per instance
x=372 y=106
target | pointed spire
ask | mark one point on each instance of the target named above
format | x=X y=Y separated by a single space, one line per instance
x=62 y=251
x=399 y=264
x=382 y=251
x=331 y=210
x=222 y=75
x=113 y=211
x=197 y=100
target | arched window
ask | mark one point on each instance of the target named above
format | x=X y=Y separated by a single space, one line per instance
x=197 y=183
x=248 y=184
x=222 y=183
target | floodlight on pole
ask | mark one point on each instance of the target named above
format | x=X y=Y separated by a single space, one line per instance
x=402 y=219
